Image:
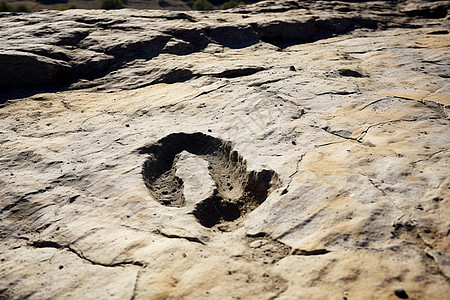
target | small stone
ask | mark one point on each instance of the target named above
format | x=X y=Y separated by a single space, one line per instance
x=257 y=243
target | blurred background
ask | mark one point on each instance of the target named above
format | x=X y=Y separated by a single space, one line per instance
x=30 y=5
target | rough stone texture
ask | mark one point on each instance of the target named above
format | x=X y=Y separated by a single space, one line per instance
x=316 y=133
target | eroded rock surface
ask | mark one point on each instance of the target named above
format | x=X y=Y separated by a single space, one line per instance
x=128 y=49
x=289 y=150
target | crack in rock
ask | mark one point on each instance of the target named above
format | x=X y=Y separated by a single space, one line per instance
x=364 y=132
x=310 y=252
x=176 y=236
x=238 y=72
x=344 y=134
x=56 y=245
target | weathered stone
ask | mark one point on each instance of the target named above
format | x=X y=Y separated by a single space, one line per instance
x=289 y=150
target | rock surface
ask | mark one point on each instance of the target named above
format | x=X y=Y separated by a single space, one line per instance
x=288 y=150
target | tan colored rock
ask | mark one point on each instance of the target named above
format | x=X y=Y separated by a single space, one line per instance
x=324 y=161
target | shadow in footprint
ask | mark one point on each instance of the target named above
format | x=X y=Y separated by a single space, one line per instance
x=237 y=192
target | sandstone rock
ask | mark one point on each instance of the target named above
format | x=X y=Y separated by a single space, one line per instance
x=16 y=66
x=67 y=48
x=289 y=150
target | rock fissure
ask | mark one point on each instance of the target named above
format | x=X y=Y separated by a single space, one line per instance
x=429 y=156
x=195 y=97
x=264 y=82
x=373 y=103
x=176 y=236
x=377 y=186
x=56 y=245
x=338 y=134
x=364 y=132
x=328 y=144
x=240 y=72
x=435 y=106
x=291 y=177
x=135 y=287
x=341 y=93
x=310 y=252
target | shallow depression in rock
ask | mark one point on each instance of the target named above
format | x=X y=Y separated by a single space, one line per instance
x=237 y=191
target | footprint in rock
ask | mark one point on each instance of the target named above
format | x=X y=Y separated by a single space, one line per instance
x=235 y=192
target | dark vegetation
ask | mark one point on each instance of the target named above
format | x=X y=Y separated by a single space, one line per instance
x=194 y=4
x=112 y=4
x=8 y=5
x=163 y=3
x=71 y=6
x=5 y=7
x=215 y=4
x=48 y=2
x=231 y=4
x=202 y=5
